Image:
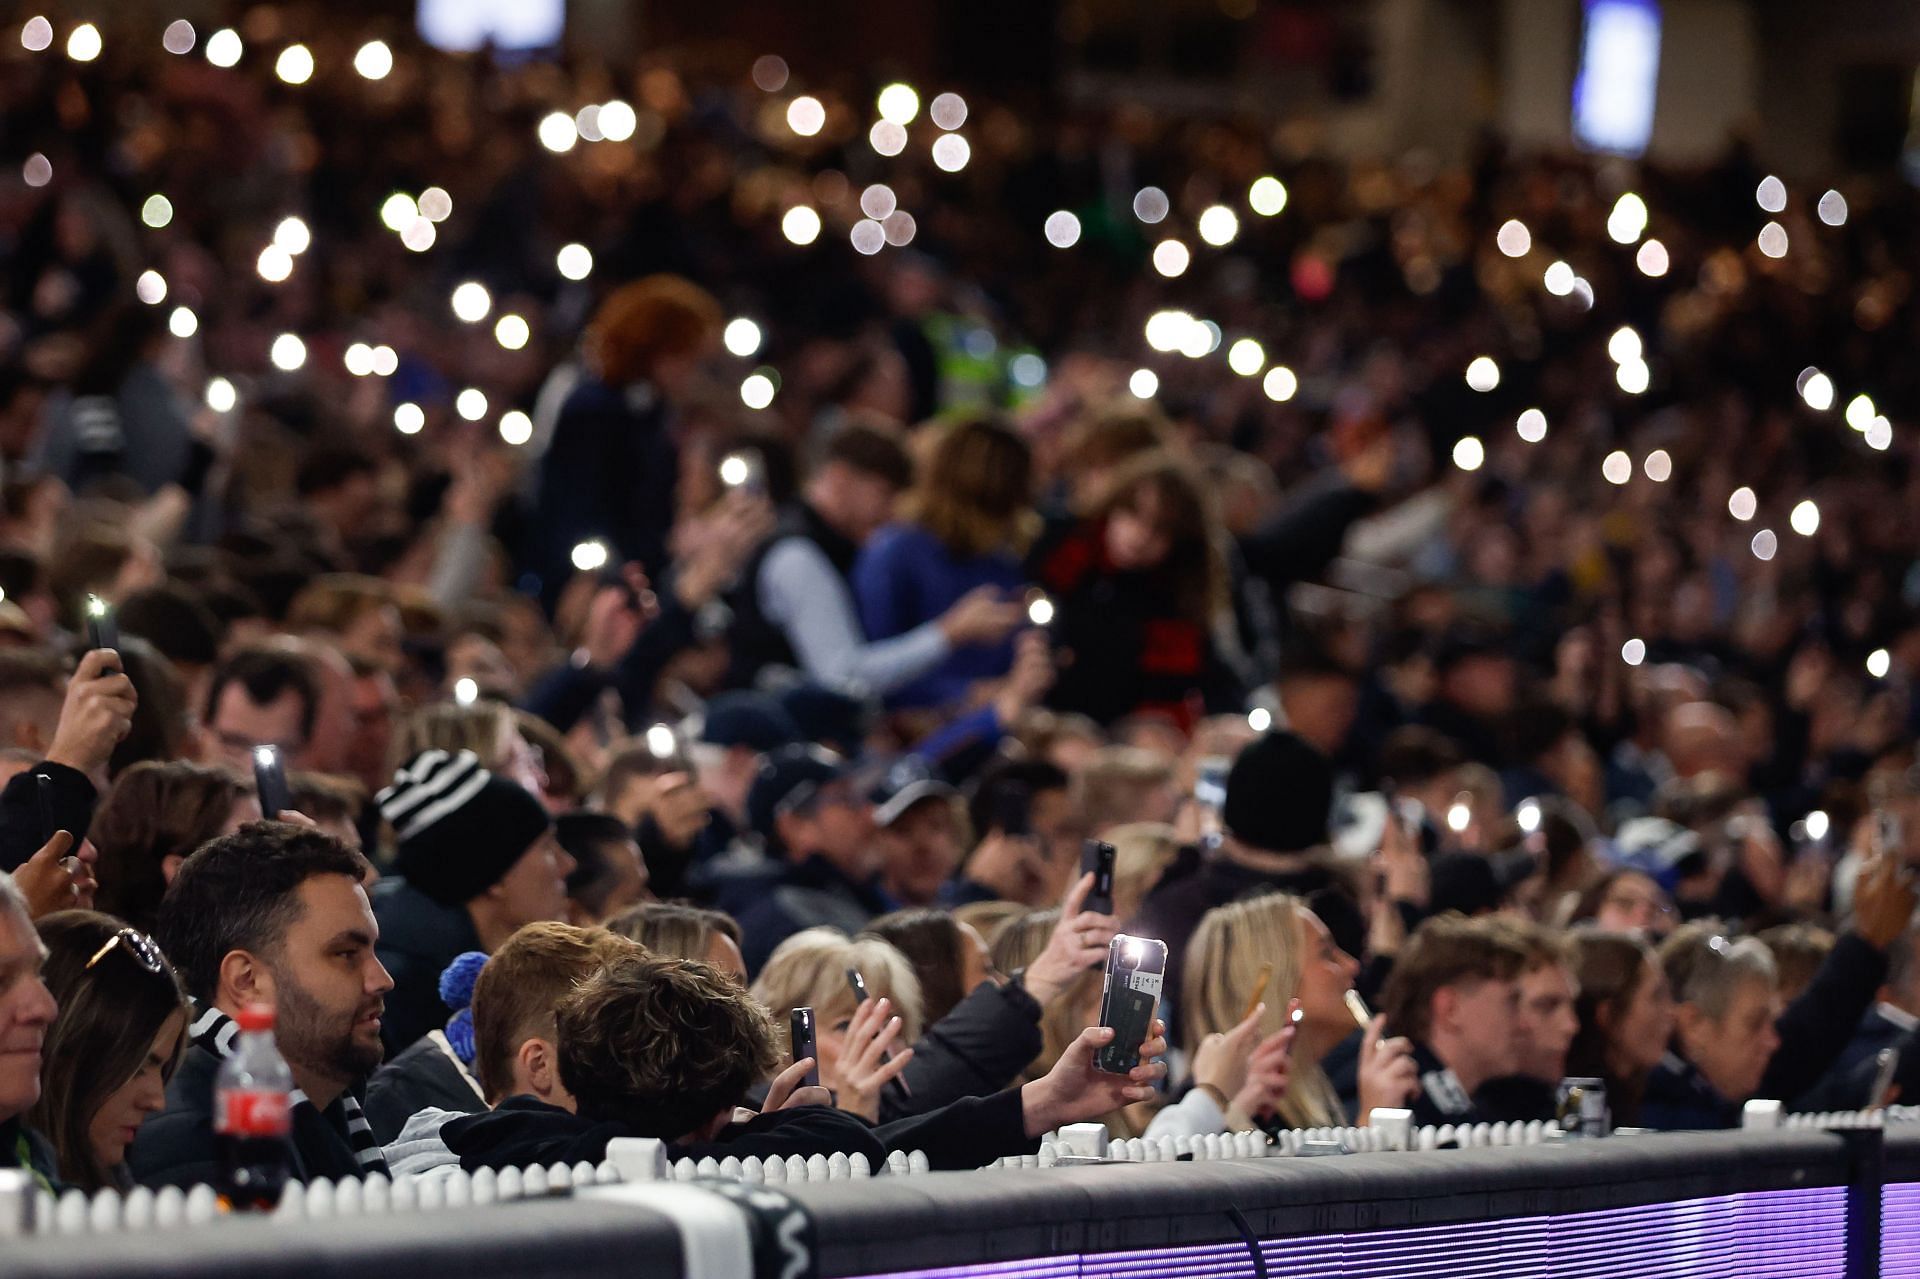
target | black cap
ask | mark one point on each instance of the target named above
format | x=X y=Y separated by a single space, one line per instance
x=749 y=719
x=788 y=780
x=907 y=783
x=1279 y=795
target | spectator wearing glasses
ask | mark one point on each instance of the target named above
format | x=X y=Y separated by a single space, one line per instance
x=27 y=1011
x=260 y=697
x=823 y=860
x=111 y=1050
x=1626 y=901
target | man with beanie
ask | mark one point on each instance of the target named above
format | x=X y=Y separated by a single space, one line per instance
x=477 y=859
x=1279 y=794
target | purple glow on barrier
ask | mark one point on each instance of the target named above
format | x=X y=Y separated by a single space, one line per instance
x=1784 y=1234
x=1900 y=1231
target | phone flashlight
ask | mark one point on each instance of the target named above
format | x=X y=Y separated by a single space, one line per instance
x=465 y=691
x=1040 y=609
x=270 y=782
x=744 y=470
x=590 y=556
x=101 y=632
x=661 y=742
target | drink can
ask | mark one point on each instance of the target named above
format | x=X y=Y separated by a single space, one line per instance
x=1582 y=1110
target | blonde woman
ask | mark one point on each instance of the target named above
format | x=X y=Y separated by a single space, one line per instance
x=809 y=970
x=1276 y=937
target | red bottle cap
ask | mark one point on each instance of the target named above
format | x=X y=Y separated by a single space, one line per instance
x=256 y=1017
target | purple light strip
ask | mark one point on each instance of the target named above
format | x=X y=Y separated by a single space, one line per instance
x=1900 y=1230
x=1784 y=1234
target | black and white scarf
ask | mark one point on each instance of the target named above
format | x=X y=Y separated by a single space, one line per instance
x=216 y=1032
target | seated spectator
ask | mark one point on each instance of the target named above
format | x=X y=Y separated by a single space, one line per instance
x=1626 y=1018
x=1455 y=993
x=1272 y=950
x=488 y=730
x=1626 y=901
x=477 y=859
x=1798 y=951
x=437 y=1071
x=810 y=970
x=273 y=915
x=1894 y=1016
x=111 y=1050
x=1549 y=991
x=27 y=1011
x=917 y=817
x=608 y=875
x=61 y=790
x=822 y=863
x=260 y=697
x=1726 y=999
x=685 y=932
x=33 y=684
x=334 y=804
x=152 y=818
x=1035 y=868
x=357 y=613
x=177 y=622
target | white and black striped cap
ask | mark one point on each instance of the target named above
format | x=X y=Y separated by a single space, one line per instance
x=460 y=827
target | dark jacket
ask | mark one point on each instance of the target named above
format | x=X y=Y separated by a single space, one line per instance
x=1845 y=1086
x=797 y=896
x=418 y=939
x=755 y=640
x=1679 y=1098
x=1442 y=1100
x=24 y=822
x=23 y=1148
x=523 y=1131
x=979 y=1047
x=567 y=694
x=178 y=1148
x=424 y=1077
x=1817 y=1027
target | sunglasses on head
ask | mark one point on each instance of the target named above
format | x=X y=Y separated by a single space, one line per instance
x=138 y=945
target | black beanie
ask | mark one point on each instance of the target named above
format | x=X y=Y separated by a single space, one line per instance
x=1279 y=795
x=461 y=828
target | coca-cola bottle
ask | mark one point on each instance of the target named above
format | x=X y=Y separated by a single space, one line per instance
x=253 y=1117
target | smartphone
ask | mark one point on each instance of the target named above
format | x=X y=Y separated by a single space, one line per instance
x=102 y=630
x=746 y=470
x=800 y=1025
x=1013 y=810
x=1886 y=1065
x=1136 y=970
x=857 y=984
x=270 y=781
x=1210 y=795
x=43 y=795
x=1097 y=857
x=1357 y=1009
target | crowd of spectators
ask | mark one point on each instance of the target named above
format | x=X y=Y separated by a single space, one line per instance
x=669 y=603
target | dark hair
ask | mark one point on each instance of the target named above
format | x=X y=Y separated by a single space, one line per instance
x=931 y=941
x=871 y=450
x=326 y=797
x=588 y=838
x=1446 y=950
x=1416 y=754
x=1193 y=576
x=109 y=1014
x=975 y=491
x=1037 y=775
x=266 y=674
x=516 y=992
x=240 y=892
x=152 y=812
x=661 y=1045
x=32 y=670
x=174 y=620
x=677 y=929
x=160 y=727
x=328 y=466
x=1611 y=967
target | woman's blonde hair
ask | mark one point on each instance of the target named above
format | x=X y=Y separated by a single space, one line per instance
x=1017 y=945
x=974 y=488
x=809 y=970
x=1232 y=946
x=482 y=728
x=1142 y=852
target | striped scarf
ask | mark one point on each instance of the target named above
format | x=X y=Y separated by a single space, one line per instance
x=216 y=1032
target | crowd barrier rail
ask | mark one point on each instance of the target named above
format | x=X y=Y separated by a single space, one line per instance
x=1819 y=1196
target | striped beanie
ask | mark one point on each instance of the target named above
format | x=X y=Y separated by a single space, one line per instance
x=460 y=828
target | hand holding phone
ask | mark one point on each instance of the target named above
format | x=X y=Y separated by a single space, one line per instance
x=1096 y=859
x=1136 y=970
x=270 y=782
x=800 y=1027
x=858 y=985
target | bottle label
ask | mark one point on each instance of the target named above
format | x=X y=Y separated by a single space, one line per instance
x=244 y=1113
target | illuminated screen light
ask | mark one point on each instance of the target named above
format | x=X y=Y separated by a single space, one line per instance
x=1483 y=374
x=467 y=26
x=398 y=211
x=898 y=103
x=887 y=138
x=1832 y=209
x=1267 y=196
x=574 y=261
x=386 y=361
x=471 y=404
x=878 y=200
x=36 y=36
x=558 y=133
x=1150 y=205
x=868 y=237
x=1469 y=454
x=1513 y=238
x=1202 y=338
x=1613 y=93
x=1628 y=221
x=1634 y=377
x=618 y=120
x=1624 y=345
x=183 y=323
x=1805 y=519
x=295 y=64
x=516 y=428
x=951 y=152
x=1771 y=194
x=1260 y=719
x=770 y=73
x=288 y=352
x=1741 y=504
x=293 y=235
x=1280 y=384
x=586 y=122
x=471 y=302
x=1063 y=229
x=1167 y=330
x=1652 y=259
x=756 y=391
x=224 y=47
x=899 y=226
x=1218 y=226
x=1144 y=383
x=801 y=225
x=1817 y=391
x=1879 y=435
x=1617 y=468
x=374 y=60
x=1170 y=258
x=1658 y=466
x=1633 y=652
x=1772 y=240
x=1860 y=412
x=1559 y=279
x=221 y=396
x=179 y=37
x=83 y=43
x=1531 y=425
x=275 y=264
x=359 y=359
x=151 y=288
x=409 y=419
x=512 y=332
x=435 y=204
x=1765 y=544
x=37 y=171
x=806 y=115
x=1879 y=662
x=1027 y=370
x=1583 y=293
x=742 y=337
x=590 y=557
x=1246 y=358
x=949 y=110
